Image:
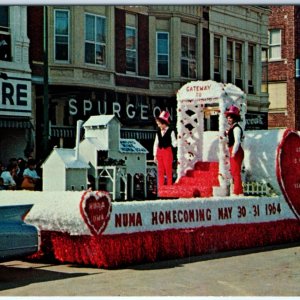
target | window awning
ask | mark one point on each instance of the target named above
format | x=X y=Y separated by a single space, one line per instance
x=138 y=134
x=126 y=133
x=62 y=131
x=15 y=123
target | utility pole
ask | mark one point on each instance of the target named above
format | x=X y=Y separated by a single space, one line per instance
x=46 y=96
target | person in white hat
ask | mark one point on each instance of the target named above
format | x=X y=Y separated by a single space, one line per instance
x=235 y=136
x=162 y=149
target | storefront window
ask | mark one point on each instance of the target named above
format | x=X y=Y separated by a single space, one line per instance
x=162 y=53
x=188 y=57
x=95 y=39
x=62 y=35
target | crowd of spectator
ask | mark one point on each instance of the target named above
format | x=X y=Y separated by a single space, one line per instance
x=20 y=174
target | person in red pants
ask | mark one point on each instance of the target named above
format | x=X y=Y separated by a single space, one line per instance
x=162 y=149
x=235 y=137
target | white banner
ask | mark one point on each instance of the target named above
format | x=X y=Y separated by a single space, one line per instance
x=61 y=212
x=15 y=96
x=195 y=213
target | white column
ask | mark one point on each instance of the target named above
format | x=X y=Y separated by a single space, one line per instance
x=19 y=38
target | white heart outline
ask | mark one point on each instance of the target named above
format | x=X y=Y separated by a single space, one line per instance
x=279 y=171
x=97 y=195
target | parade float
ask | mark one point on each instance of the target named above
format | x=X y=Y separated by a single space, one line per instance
x=194 y=216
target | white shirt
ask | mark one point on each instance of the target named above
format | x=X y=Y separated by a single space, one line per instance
x=237 y=133
x=7 y=178
x=31 y=173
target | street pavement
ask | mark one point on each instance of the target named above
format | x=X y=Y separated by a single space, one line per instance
x=269 y=271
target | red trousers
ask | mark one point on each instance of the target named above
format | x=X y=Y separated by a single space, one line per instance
x=164 y=158
x=236 y=169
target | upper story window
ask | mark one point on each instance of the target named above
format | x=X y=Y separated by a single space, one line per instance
x=264 y=70
x=5 y=41
x=229 y=62
x=238 y=65
x=251 y=69
x=62 y=35
x=217 y=59
x=131 y=51
x=264 y=55
x=297 y=68
x=4 y=20
x=274 y=44
x=95 y=39
x=162 y=53
x=188 y=57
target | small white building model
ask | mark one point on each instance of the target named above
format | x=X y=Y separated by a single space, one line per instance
x=62 y=171
x=102 y=154
x=102 y=144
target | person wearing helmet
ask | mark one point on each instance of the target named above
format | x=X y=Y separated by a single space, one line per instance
x=162 y=149
x=235 y=136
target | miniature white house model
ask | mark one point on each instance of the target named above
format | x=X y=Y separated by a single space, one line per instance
x=102 y=155
x=63 y=172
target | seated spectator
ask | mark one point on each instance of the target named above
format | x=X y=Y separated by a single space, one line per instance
x=30 y=176
x=8 y=176
x=2 y=168
x=2 y=187
x=15 y=175
x=22 y=165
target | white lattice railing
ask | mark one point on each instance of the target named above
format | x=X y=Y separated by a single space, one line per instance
x=257 y=189
x=190 y=136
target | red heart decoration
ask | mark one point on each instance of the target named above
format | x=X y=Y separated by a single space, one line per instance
x=288 y=169
x=95 y=208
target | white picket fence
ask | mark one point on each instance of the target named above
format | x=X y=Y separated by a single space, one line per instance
x=257 y=189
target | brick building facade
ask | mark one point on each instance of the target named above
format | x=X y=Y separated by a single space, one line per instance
x=283 y=67
x=131 y=60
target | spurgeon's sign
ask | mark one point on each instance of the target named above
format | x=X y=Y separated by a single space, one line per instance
x=129 y=110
